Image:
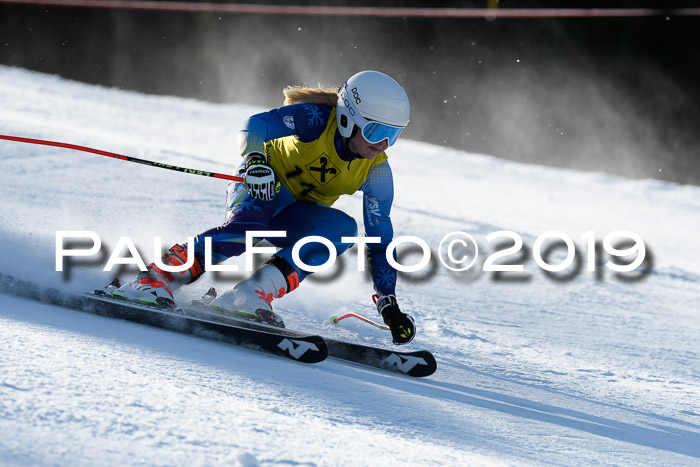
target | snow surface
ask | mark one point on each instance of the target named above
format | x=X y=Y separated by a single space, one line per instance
x=532 y=370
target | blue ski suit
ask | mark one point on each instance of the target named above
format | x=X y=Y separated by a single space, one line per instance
x=314 y=167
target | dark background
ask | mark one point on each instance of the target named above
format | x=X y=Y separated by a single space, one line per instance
x=618 y=95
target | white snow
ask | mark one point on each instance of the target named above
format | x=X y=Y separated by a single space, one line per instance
x=593 y=370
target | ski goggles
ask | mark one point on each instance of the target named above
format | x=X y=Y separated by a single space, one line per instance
x=376 y=132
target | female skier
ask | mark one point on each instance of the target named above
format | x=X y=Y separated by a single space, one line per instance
x=297 y=160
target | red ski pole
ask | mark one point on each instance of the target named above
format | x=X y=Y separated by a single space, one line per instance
x=160 y=165
x=337 y=319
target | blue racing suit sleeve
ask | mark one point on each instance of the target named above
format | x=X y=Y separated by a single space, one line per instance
x=305 y=121
x=378 y=196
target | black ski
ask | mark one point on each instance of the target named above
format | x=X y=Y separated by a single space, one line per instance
x=300 y=347
x=418 y=363
x=199 y=320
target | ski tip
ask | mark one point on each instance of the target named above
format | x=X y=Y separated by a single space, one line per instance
x=334 y=319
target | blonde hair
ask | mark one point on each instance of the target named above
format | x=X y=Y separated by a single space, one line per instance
x=318 y=95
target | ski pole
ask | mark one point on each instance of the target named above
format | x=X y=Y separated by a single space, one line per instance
x=336 y=320
x=159 y=165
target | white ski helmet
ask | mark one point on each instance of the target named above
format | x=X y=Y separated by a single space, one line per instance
x=376 y=103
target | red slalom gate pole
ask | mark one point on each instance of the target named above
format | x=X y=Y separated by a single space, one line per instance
x=159 y=165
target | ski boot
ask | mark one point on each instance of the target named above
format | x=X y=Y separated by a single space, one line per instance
x=252 y=298
x=155 y=286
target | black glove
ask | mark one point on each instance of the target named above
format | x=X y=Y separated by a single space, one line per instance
x=259 y=176
x=402 y=326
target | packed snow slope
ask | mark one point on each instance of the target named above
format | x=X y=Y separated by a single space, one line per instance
x=573 y=368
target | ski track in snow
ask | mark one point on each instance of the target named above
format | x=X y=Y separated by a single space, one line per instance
x=532 y=371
